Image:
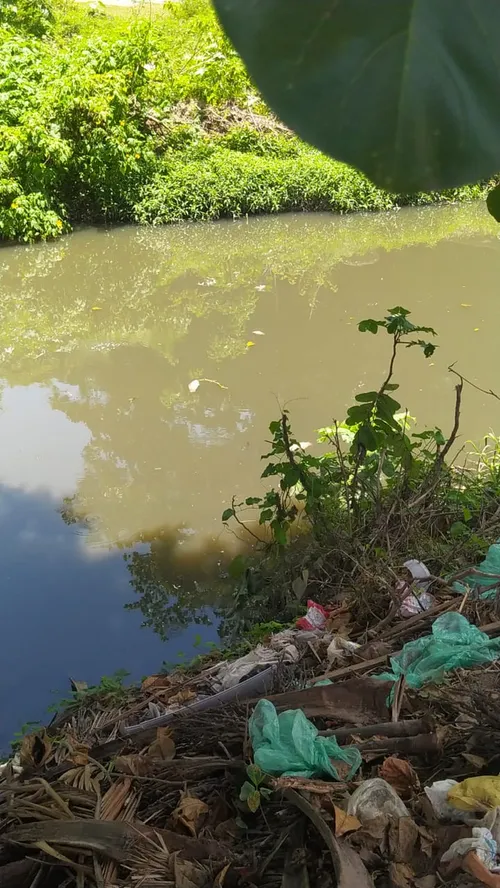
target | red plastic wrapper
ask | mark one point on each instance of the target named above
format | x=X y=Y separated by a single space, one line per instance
x=315 y=617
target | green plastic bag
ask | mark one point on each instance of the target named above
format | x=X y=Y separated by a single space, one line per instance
x=454 y=644
x=490 y=565
x=288 y=744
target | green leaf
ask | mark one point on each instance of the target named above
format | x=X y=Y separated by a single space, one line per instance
x=246 y=791
x=366 y=437
x=227 y=514
x=366 y=397
x=399 y=310
x=493 y=203
x=265 y=515
x=359 y=414
x=253 y=801
x=279 y=532
x=387 y=406
x=275 y=427
x=467 y=514
x=255 y=774
x=368 y=326
x=252 y=500
x=391 y=386
x=405 y=90
x=429 y=349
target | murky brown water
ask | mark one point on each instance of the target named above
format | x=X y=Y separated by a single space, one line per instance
x=101 y=335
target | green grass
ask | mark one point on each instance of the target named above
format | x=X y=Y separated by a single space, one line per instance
x=109 y=118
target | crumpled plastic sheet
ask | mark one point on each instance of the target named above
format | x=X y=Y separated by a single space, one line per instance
x=289 y=745
x=453 y=644
x=481 y=842
x=490 y=565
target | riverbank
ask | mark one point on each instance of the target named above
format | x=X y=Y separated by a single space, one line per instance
x=116 y=119
x=178 y=783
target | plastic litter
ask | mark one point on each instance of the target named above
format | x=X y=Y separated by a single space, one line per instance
x=315 y=618
x=338 y=647
x=454 y=643
x=481 y=842
x=373 y=798
x=475 y=794
x=230 y=674
x=289 y=745
x=418 y=599
x=491 y=566
x=438 y=797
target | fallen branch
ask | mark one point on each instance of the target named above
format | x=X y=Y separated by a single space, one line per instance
x=405 y=728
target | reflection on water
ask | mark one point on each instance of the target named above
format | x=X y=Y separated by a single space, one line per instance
x=101 y=334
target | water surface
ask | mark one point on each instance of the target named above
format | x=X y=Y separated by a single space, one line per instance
x=114 y=475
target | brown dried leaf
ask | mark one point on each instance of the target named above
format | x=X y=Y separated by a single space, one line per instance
x=189 y=813
x=477 y=761
x=78 y=753
x=426 y=882
x=188 y=874
x=163 y=747
x=400 y=875
x=182 y=697
x=220 y=878
x=136 y=765
x=400 y=775
x=35 y=749
x=403 y=838
x=344 y=822
x=156 y=682
x=321 y=787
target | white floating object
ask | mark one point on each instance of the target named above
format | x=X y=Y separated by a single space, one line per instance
x=194 y=385
x=258 y=333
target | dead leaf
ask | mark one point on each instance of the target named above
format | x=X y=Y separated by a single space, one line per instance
x=344 y=822
x=477 y=761
x=188 y=874
x=403 y=837
x=163 y=747
x=426 y=882
x=400 y=875
x=156 y=682
x=299 y=584
x=400 y=775
x=35 y=749
x=219 y=879
x=182 y=697
x=375 y=649
x=320 y=787
x=78 y=686
x=136 y=765
x=189 y=813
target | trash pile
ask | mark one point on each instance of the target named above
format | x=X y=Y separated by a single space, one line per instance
x=331 y=754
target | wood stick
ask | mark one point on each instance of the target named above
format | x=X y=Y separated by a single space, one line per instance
x=363 y=666
x=422 y=743
x=405 y=728
x=406 y=625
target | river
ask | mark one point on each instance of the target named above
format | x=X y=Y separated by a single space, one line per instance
x=114 y=474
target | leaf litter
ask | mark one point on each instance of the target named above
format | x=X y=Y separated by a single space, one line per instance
x=105 y=795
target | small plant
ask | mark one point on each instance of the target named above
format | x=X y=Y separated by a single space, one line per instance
x=110 y=690
x=252 y=792
x=372 y=446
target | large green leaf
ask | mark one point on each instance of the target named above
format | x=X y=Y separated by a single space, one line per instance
x=406 y=90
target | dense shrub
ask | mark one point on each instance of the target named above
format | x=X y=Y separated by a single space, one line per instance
x=107 y=118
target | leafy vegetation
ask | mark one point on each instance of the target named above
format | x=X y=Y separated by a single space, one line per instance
x=109 y=119
x=378 y=493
